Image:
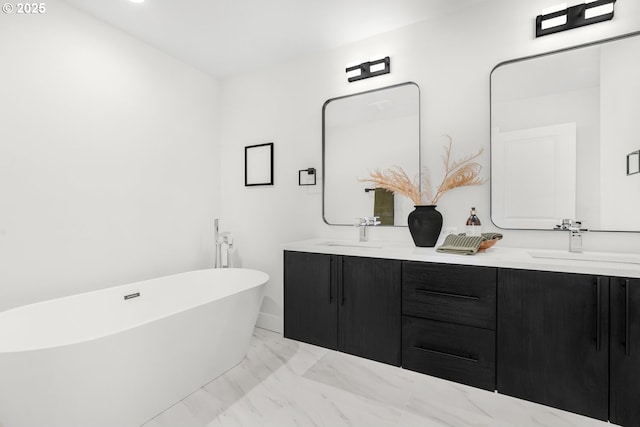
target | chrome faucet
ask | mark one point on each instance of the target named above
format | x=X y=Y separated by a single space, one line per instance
x=575 y=233
x=365 y=222
x=224 y=245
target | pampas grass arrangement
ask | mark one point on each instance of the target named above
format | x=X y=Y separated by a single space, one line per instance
x=461 y=173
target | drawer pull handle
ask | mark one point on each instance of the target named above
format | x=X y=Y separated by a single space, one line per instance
x=332 y=272
x=627 y=330
x=598 y=313
x=340 y=279
x=445 y=294
x=442 y=353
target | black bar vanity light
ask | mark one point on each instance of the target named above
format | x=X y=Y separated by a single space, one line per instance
x=369 y=69
x=562 y=18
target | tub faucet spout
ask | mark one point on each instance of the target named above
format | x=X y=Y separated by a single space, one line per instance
x=224 y=245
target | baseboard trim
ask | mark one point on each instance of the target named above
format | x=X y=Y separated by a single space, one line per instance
x=270 y=322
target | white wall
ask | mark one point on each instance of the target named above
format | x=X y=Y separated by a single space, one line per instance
x=108 y=158
x=450 y=58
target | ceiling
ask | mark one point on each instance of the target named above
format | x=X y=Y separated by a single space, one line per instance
x=231 y=37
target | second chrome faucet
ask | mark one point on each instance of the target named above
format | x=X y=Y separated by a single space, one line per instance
x=365 y=222
x=575 y=233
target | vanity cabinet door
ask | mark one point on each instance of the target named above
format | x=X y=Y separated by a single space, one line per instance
x=369 y=322
x=625 y=352
x=310 y=298
x=553 y=339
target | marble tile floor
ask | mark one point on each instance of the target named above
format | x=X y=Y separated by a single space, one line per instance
x=285 y=383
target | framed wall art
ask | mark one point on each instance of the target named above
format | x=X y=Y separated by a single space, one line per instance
x=258 y=164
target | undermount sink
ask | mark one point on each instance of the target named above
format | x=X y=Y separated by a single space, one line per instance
x=587 y=256
x=369 y=245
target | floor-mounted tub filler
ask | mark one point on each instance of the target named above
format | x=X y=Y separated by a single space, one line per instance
x=119 y=356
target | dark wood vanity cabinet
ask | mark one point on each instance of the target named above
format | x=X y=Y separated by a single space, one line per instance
x=624 y=396
x=553 y=339
x=449 y=322
x=571 y=341
x=350 y=304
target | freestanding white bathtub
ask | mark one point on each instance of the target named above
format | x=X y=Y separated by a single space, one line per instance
x=119 y=356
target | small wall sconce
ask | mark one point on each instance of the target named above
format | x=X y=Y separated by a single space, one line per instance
x=633 y=163
x=557 y=20
x=369 y=69
x=307 y=176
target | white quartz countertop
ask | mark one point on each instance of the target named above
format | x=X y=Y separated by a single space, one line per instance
x=598 y=263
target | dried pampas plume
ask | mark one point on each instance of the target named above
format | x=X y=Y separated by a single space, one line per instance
x=462 y=173
x=395 y=180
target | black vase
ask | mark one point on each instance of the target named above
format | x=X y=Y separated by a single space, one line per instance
x=425 y=224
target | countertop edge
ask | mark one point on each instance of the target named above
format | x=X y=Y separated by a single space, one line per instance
x=499 y=257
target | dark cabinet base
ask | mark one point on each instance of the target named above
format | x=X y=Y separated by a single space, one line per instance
x=463 y=354
x=565 y=340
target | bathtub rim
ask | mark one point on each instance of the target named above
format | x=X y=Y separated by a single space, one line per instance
x=25 y=349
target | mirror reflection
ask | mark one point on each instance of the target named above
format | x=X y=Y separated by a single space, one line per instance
x=363 y=132
x=562 y=127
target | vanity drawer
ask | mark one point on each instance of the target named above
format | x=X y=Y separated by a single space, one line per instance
x=465 y=295
x=463 y=354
